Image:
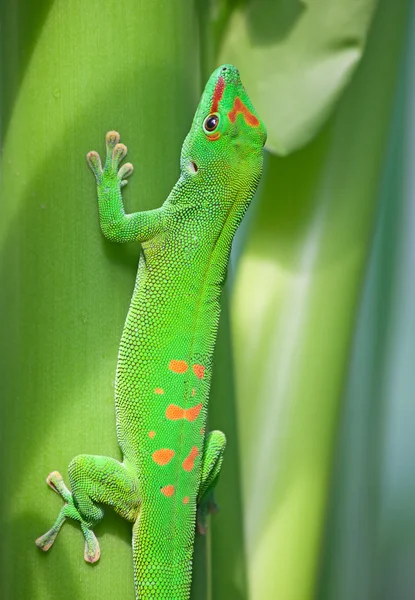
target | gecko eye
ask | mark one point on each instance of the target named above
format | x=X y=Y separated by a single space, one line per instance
x=210 y=123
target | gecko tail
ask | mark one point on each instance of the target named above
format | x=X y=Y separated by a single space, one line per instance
x=158 y=573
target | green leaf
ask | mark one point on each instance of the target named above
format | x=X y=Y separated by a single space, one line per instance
x=369 y=545
x=293 y=314
x=89 y=68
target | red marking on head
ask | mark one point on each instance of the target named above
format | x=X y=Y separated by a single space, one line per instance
x=217 y=94
x=199 y=371
x=239 y=107
x=167 y=490
x=174 y=413
x=163 y=456
x=178 y=366
x=159 y=391
x=186 y=500
x=191 y=414
x=151 y=434
x=189 y=461
x=193 y=392
x=213 y=137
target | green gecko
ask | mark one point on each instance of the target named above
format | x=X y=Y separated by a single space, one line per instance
x=170 y=467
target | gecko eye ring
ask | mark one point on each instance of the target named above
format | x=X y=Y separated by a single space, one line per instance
x=211 y=122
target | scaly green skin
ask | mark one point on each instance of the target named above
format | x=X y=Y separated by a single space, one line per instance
x=170 y=468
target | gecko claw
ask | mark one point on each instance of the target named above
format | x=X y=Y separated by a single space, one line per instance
x=112 y=138
x=120 y=150
x=125 y=171
x=55 y=481
x=94 y=163
x=118 y=153
x=92 y=550
x=44 y=542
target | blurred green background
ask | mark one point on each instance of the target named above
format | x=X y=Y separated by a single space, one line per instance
x=314 y=366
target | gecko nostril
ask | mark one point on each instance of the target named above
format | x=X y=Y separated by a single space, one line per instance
x=193 y=167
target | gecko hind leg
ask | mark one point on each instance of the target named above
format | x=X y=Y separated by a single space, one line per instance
x=212 y=462
x=93 y=479
x=68 y=511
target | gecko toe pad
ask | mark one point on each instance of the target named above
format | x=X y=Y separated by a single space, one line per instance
x=112 y=138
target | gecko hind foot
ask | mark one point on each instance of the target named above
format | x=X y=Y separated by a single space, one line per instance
x=68 y=511
x=205 y=508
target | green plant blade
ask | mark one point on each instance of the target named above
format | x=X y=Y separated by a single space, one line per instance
x=90 y=68
x=369 y=549
x=293 y=313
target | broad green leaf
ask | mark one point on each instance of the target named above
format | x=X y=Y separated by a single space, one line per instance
x=370 y=547
x=293 y=316
x=296 y=57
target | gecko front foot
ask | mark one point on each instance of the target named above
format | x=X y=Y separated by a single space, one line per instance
x=110 y=174
x=69 y=511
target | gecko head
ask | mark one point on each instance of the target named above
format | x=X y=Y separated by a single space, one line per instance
x=225 y=142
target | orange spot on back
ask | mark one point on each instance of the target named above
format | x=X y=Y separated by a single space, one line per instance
x=191 y=414
x=174 y=413
x=189 y=461
x=202 y=431
x=151 y=434
x=199 y=371
x=239 y=107
x=186 y=500
x=178 y=366
x=193 y=392
x=163 y=456
x=159 y=391
x=167 y=490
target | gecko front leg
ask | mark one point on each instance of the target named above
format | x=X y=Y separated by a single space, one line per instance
x=115 y=224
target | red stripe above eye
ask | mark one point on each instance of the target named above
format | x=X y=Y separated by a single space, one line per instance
x=217 y=94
